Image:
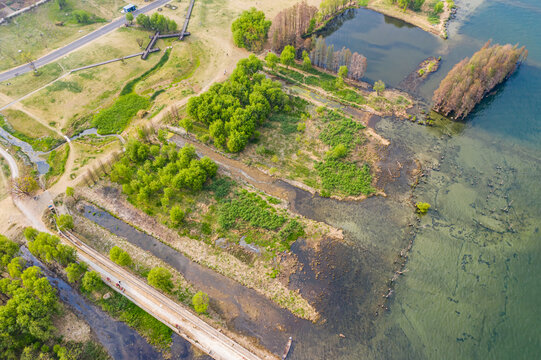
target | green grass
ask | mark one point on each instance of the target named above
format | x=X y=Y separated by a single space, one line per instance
x=114 y=119
x=42 y=143
x=71 y=86
x=340 y=130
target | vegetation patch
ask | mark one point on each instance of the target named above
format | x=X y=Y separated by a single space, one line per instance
x=57 y=161
x=24 y=128
x=472 y=79
x=130 y=86
x=114 y=119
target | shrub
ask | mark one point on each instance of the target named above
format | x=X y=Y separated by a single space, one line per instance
x=200 y=302
x=176 y=215
x=379 y=86
x=64 y=222
x=120 y=256
x=422 y=207
x=160 y=278
x=92 y=281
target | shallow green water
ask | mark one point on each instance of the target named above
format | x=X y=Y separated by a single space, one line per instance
x=472 y=289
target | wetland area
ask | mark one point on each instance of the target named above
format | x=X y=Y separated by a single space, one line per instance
x=459 y=282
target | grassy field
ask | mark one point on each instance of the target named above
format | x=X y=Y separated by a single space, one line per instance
x=36 y=32
x=25 y=128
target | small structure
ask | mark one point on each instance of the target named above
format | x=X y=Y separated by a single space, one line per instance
x=129 y=8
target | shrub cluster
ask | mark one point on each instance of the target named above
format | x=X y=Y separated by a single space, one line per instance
x=233 y=109
x=156 y=22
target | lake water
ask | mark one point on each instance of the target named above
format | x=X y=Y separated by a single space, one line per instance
x=472 y=289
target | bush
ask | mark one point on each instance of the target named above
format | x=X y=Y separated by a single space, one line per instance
x=200 y=302
x=92 y=281
x=176 y=215
x=64 y=222
x=119 y=256
x=250 y=30
x=160 y=278
x=422 y=207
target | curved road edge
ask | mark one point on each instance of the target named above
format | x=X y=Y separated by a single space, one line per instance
x=76 y=44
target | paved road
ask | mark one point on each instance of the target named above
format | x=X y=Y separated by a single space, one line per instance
x=56 y=54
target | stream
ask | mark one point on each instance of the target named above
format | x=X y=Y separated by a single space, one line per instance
x=37 y=157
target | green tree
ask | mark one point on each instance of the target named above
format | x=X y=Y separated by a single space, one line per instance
x=64 y=222
x=92 y=281
x=250 y=30
x=129 y=17
x=200 y=302
x=438 y=7
x=342 y=73
x=75 y=271
x=8 y=249
x=70 y=191
x=176 y=215
x=379 y=87
x=15 y=267
x=47 y=247
x=120 y=256
x=30 y=233
x=306 y=62
x=271 y=60
x=160 y=278
x=287 y=57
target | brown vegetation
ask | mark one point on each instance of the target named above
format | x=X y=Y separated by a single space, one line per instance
x=471 y=79
x=290 y=25
x=325 y=57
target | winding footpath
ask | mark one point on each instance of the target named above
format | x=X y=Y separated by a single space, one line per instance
x=56 y=54
x=176 y=316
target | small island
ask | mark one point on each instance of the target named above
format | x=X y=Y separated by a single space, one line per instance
x=472 y=79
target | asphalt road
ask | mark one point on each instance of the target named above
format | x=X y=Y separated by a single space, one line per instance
x=56 y=54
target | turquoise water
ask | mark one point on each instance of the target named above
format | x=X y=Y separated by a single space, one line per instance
x=472 y=288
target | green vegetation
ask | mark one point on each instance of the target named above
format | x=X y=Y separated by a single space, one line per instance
x=149 y=173
x=130 y=86
x=92 y=281
x=70 y=191
x=379 y=87
x=200 y=302
x=28 y=130
x=271 y=60
x=64 y=222
x=48 y=248
x=120 y=256
x=57 y=161
x=124 y=310
x=472 y=79
x=422 y=207
x=232 y=110
x=345 y=178
x=29 y=304
x=71 y=86
x=160 y=278
x=414 y=5
x=156 y=22
x=75 y=271
x=250 y=29
x=115 y=118
x=287 y=57
x=252 y=209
